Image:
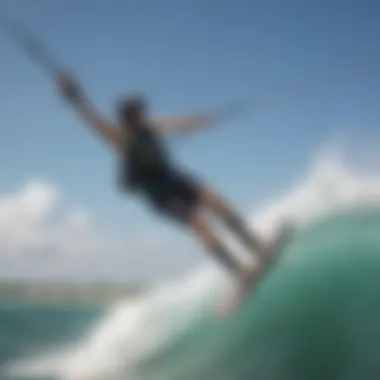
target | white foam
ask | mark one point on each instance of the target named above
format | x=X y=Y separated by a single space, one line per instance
x=133 y=330
x=328 y=186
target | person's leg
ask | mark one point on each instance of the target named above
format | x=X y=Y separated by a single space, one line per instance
x=204 y=232
x=232 y=219
x=180 y=198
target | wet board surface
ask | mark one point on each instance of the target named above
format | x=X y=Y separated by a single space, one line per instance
x=234 y=301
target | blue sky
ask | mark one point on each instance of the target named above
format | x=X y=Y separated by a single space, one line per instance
x=187 y=55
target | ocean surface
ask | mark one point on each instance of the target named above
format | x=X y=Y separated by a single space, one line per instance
x=315 y=316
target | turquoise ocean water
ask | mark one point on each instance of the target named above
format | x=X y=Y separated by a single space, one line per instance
x=317 y=316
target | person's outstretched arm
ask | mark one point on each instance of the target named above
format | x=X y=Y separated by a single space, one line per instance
x=105 y=128
x=184 y=123
x=201 y=120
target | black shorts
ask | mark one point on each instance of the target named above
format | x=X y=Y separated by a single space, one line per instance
x=173 y=194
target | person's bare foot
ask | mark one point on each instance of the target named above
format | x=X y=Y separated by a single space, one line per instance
x=245 y=284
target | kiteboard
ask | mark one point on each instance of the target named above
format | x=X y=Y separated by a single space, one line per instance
x=235 y=301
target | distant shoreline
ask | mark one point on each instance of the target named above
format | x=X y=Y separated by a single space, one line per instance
x=40 y=291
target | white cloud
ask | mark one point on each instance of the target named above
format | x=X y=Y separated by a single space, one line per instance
x=42 y=237
x=32 y=221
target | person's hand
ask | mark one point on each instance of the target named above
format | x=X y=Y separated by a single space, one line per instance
x=69 y=88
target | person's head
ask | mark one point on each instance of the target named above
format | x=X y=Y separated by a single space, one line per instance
x=132 y=109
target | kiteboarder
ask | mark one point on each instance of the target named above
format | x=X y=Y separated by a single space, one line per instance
x=147 y=169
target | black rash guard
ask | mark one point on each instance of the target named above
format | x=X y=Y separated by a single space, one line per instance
x=145 y=158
